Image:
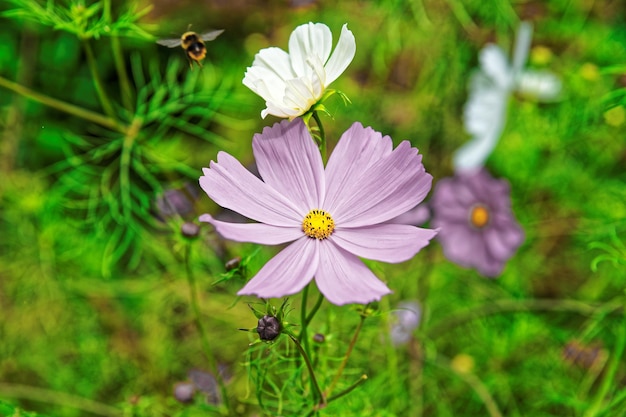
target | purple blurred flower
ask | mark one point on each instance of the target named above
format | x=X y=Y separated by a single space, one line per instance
x=332 y=216
x=408 y=316
x=478 y=229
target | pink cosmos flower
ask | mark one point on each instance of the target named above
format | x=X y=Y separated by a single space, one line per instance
x=477 y=228
x=332 y=216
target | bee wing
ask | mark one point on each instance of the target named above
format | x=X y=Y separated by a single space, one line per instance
x=209 y=36
x=170 y=43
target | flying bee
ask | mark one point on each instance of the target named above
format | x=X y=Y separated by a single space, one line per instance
x=193 y=44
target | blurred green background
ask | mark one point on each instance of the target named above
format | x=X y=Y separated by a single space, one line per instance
x=95 y=314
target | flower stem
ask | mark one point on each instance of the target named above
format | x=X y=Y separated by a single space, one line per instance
x=318 y=395
x=125 y=88
x=108 y=122
x=347 y=356
x=100 y=91
x=193 y=297
x=316 y=306
x=349 y=389
x=609 y=377
x=302 y=336
x=322 y=143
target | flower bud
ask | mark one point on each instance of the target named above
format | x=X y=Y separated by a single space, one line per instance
x=189 y=229
x=233 y=264
x=183 y=392
x=268 y=328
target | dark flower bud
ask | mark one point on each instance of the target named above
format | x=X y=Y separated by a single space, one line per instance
x=190 y=229
x=183 y=392
x=233 y=264
x=268 y=328
x=319 y=338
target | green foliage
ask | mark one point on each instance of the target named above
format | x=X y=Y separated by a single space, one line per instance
x=97 y=317
x=82 y=19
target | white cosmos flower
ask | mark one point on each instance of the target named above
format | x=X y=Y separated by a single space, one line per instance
x=290 y=83
x=484 y=114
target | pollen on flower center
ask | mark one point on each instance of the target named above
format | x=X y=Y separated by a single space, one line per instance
x=479 y=216
x=318 y=224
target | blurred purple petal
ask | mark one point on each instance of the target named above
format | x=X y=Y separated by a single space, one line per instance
x=485 y=247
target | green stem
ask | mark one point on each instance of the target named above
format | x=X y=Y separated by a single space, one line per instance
x=347 y=356
x=302 y=336
x=100 y=91
x=349 y=389
x=609 y=377
x=317 y=392
x=108 y=122
x=322 y=145
x=318 y=303
x=59 y=398
x=125 y=89
x=195 y=305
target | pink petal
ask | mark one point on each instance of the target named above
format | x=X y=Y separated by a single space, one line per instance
x=384 y=242
x=343 y=278
x=388 y=188
x=264 y=234
x=358 y=149
x=417 y=216
x=290 y=162
x=232 y=186
x=287 y=272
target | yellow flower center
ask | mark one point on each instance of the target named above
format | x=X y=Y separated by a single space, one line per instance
x=318 y=224
x=479 y=216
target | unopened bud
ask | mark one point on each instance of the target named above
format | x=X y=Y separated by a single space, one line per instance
x=183 y=392
x=268 y=328
x=233 y=264
x=190 y=229
x=319 y=338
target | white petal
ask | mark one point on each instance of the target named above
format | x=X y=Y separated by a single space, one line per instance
x=342 y=55
x=265 y=83
x=311 y=39
x=541 y=85
x=485 y=119
x=522 y=47
x=299 y=95
x=494 y=63
x=276 y=60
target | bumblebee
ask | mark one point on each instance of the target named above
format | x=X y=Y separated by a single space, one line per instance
x=193 y=44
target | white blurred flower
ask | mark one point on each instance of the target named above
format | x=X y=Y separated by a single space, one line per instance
x=484 y=114
x=408 y=316
x=290 y=83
